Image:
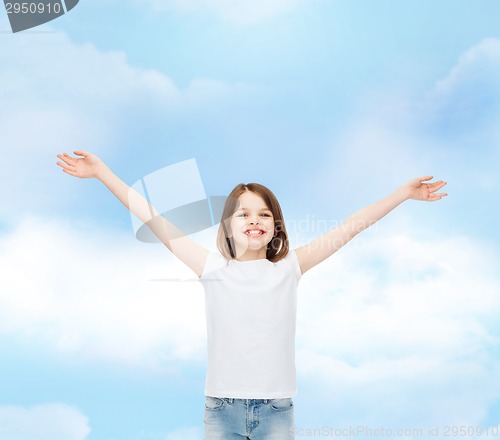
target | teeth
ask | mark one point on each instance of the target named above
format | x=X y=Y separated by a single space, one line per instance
x=254 y=232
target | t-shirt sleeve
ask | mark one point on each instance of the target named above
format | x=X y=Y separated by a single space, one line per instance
x=214 y=261
x=294 y=263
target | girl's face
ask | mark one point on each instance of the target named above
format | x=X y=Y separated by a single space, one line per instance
x=252 y=226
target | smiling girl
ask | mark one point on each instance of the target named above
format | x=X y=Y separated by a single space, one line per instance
x=250 y=295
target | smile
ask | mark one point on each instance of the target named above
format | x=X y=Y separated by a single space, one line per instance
x=254 y=232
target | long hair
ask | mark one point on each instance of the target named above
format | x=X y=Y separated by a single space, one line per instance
x=278 y=247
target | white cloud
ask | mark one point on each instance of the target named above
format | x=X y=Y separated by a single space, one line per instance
x=401 y=331
x=55 y=91
x=476 y=70
x=43 y=422
x=89 y=292
x=465 y=104
x=240 y=12
x=55 y=73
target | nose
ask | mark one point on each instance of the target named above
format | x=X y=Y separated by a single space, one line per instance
x=253 y=220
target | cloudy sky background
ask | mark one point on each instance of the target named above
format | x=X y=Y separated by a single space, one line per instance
x=332 y=104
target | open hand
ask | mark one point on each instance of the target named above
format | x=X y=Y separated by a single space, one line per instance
x=88 y=166
x=418 y=190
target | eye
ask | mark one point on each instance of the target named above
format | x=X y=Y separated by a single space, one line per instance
x=266 y=215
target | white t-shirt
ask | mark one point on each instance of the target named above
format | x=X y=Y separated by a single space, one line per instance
x=251 y=309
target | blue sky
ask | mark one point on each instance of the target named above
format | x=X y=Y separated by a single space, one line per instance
x=333 y=105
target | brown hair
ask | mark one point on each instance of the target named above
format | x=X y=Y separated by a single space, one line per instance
x=278 y=247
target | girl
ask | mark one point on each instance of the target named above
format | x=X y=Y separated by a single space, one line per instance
x=250 y=290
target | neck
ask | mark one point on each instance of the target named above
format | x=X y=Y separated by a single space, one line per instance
x=250 y=254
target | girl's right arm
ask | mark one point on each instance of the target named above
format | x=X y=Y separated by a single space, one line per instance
x=189 y=252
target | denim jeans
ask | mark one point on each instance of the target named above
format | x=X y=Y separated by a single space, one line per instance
x=254 y=419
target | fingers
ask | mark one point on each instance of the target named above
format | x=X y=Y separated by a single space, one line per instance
x=81 y=153
x=434 y=197
x=424 y=178
x=67 y=159
x=66 y=166
x=70 y=172
x=436 y=185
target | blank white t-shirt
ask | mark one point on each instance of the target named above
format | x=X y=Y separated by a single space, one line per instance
x=251 y=309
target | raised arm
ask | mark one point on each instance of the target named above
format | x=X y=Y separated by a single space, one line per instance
x=189 y=252
x=322 y=247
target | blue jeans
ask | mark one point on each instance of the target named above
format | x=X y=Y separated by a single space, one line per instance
x=253 y=419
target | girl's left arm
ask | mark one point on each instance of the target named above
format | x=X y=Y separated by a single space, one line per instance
x=322 y=247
